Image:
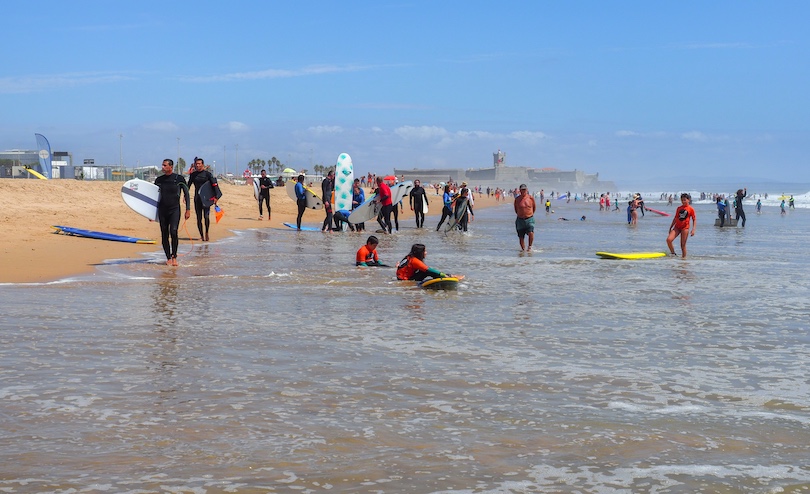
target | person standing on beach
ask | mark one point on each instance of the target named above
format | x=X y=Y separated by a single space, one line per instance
x=738 y=205
x=358 y=198
x=384 y=199
x=198 y=177
x=300 y=199
x=463 y=210
x=524 y=223
x=791 y=202
x=265 y=184
x=171 y=185
x=680 y=225
x=327 y=187
x=418 y=199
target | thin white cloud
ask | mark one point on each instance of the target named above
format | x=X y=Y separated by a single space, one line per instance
x=695 y=136
x=325 y=129
x=277 y=73
x=421 y=133
x=30 y=84
x=236 y=127
x=162 y=126
x=627 y=133
x=528 y=136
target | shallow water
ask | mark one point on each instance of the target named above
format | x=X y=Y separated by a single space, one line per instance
x=268 y=363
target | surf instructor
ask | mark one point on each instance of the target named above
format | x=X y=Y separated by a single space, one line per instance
x=171 y=185
x=300 y=199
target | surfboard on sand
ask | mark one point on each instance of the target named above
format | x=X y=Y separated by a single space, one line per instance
x=69 y=230
x=303 y=228
x=36 y=174
x=656 y=211
x=207 y=192
x=440 y=284
x=142 y=197
x=631 y=255
x=313 y=201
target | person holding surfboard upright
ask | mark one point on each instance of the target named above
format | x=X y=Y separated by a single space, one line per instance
x=385 y=201
x=525 y=206
x=327 y=188
x=418 y=200
x=171 y=185
x=738 y=205
x=300 y=199
x=265 y=184
x=358 y=198
x=199 y=177
x=680 y=225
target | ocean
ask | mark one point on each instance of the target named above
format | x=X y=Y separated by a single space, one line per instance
x=268 y=363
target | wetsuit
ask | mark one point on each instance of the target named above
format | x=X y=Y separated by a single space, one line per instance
x=463 y=216
x=447 y=210
x=301 y=201
x=384 y=218
x=359 y=198
x=171 y=186
x=342 y=216
x=198 y=179
x=738 y=206
x=264 y=194
x=418 y=199
x=721 y=212
x=411 y=268
x=327 y=187
x=366 y=257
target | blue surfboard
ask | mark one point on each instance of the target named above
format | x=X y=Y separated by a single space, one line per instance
x=69 y=230
x=303 y=228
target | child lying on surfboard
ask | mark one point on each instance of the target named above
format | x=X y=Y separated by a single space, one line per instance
x=413 y=267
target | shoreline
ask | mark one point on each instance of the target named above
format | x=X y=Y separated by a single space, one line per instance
x=35 y=253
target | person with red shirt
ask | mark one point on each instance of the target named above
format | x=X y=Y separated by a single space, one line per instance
x=680 y=224
x=413 y=267
x=385 y=201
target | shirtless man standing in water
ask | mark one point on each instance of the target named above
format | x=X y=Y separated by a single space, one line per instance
x=524 y=224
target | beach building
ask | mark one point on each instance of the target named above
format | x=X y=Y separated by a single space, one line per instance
x=502 y=175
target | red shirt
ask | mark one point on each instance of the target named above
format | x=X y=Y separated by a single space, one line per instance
x=682 y=215
x=385 y=194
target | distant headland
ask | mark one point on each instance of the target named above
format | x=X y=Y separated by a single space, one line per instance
x=501 y=175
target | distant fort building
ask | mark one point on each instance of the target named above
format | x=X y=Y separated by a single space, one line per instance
x=501 y=175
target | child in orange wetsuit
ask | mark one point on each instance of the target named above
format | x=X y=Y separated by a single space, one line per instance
x=367 y=254
x=413 y=266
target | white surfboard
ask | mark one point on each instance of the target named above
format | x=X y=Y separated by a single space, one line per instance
x=424 y=207
x=401 y=191
x=344 y=180
x=142 y=197
x=313 y=201
x=366 y=211
x=256 y=189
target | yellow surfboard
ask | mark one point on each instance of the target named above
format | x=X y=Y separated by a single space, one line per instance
x=36 y=174
x=440 y=284
x=631 y=255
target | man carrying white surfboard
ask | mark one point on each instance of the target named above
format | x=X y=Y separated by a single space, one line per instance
x=385 y=201
x=171 y=186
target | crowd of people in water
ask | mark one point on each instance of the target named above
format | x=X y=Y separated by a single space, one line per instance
x=457 y=201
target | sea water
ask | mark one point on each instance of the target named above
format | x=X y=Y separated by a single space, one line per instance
x=268 y=363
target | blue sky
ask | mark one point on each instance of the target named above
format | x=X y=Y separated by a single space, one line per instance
x=633 y=90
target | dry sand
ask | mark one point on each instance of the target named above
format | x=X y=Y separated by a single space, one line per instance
x=33 y=252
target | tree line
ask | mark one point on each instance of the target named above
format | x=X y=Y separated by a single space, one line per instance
x=274 y=167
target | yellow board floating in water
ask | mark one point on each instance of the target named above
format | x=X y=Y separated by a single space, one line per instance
x=631 y=255
x=440 y=284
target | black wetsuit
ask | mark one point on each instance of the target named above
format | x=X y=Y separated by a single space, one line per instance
x=203 y=211
x=264 y=194
x=417 y=197
x=738 y=207
x=169 y=210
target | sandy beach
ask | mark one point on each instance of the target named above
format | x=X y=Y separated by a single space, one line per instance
x=34 y=252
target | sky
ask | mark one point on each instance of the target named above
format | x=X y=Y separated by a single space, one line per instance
x=633 y=90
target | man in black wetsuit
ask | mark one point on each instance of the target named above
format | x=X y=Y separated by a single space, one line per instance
x=265 y=184
x=171 y=185
x=418 y=198
x=198 y=177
